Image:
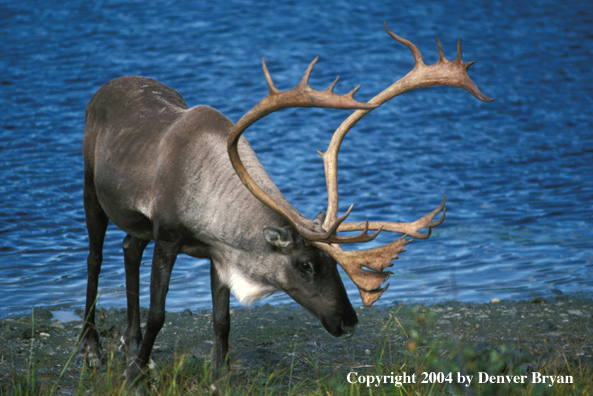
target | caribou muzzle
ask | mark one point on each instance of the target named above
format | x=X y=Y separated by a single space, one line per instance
x=343 y=326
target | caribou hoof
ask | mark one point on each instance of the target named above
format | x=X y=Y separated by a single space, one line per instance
x=135 y=377
x=88 y=353
x=130 y=349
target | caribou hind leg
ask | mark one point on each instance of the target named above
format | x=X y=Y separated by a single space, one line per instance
x=96 y=221
x=133 y=249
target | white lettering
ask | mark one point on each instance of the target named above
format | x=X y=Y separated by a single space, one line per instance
x=462 y=379
x=348 y=377
x=538 y=378
x=378 y=377
x=567 y=380
x=483 y=377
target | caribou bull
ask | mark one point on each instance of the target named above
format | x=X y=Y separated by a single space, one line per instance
x=185 y=178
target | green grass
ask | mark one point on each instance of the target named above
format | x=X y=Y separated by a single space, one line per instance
x=422 y=354
x=192 y=376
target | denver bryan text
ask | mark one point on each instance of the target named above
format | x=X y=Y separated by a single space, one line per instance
x=536 y=378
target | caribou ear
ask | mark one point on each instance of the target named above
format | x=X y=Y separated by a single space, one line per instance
x=320 y=218
x=278 y=237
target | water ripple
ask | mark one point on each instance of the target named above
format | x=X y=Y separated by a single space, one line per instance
x=516 y=171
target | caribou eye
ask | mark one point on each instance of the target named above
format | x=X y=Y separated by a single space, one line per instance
x=305 y=268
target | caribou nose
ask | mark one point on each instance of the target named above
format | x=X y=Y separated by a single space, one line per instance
x=347 y=329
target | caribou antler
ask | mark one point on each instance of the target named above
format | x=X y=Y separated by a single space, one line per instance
x=300 y=96
x=444 y=72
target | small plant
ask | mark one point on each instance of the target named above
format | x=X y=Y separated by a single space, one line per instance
x=28 y=383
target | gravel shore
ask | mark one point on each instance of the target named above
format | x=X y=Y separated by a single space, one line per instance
x=526 y=335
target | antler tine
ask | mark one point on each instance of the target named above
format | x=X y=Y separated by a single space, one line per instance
x=305 y=79
x=333 y=85
x=362 y=237
x=407 y=43
x=273 y=89
x=351 y=93
x=442 y=57
x=439 y=221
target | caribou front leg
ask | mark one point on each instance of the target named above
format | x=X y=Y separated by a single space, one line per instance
x=221 y=319
x=163 y=260
x=132 y=337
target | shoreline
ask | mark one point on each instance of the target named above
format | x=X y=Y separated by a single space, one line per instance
x=550 y=295
x=512 y=337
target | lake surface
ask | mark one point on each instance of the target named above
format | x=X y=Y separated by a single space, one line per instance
x=517 y=172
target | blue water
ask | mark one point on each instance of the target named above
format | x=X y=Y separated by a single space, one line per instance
x=517 y=172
